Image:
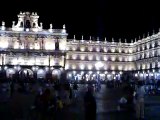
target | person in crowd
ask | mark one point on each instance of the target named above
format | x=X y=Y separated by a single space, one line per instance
x=139 y=96
x=75 y=89
x=37 y=105
x=90 y=105
x=45 y=102
x=122 y=103
x=11 y=88
x=17 y=104
x=59 y=109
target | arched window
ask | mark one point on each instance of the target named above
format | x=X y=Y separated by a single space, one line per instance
x=21 y=25
x=28 y=24
x=34 y=25
x=57 y=44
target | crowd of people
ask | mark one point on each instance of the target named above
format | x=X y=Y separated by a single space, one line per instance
x=133 y=99
x=50 y=99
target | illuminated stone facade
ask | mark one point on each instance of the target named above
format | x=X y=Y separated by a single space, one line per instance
x=28 y=48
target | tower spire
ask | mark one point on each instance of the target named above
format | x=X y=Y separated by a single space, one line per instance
x=97 y=39
x=153 y=31
x=125 y=40
x=64 y=26
x=3 y=25
x=90 y=39
x=143 y=35
x=131 y=40
x=74 y=37
x=105 y=40
x=135 y=40
x=51 y=26
x=50 y=29
x=139 y=37
x=112 y=40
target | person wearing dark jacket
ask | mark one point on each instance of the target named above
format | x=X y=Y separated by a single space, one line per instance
x=90 y=105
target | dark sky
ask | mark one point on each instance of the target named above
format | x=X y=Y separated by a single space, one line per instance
x=104 y=18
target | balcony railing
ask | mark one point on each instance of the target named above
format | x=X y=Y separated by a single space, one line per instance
x=49 y=52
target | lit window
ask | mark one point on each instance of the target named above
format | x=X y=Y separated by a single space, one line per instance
x=73 y=66
x=67 y=66
x=147 y=46
x=113 y=58
x=120 y=58
x=113 y=50
x=153 y=65
x=105 y=58
x=143 y=66
x=74 y=57
x=89 y=67
x=99 y=65
x=105 y=49
x=90 y=48
x=153 y=44
x=90 y=57
x=82 y=57
x=74 y=48
x=112 y=67
x=120 y=67
x=16 y=45
x=130 y=50
x=120 y=50
x=97 y=49
x=37 y=46
x=82 y=66
x=130 y=58
x=82 y=48
x=97 y=57
x=126 y=50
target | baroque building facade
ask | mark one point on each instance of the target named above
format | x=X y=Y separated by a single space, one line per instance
x=27 y=50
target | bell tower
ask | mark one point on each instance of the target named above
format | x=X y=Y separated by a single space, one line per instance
x=27 y=22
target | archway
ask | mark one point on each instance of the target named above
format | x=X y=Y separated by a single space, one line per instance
x=10 y=72
x=57 y=44
x=21 y=24
x=26 y=73
x=56 y=74
x=41 y=73
x=28 y=24
x=34 y=25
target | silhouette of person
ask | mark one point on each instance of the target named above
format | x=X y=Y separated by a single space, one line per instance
x=90 y=105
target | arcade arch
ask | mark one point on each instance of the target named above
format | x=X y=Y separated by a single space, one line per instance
x=41 y=73
x=10 y=72
x=56 y=74
x=26 y=73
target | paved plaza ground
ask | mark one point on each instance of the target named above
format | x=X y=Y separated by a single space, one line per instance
x=107 y=101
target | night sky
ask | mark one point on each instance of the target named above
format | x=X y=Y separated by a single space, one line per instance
x=104 y=18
